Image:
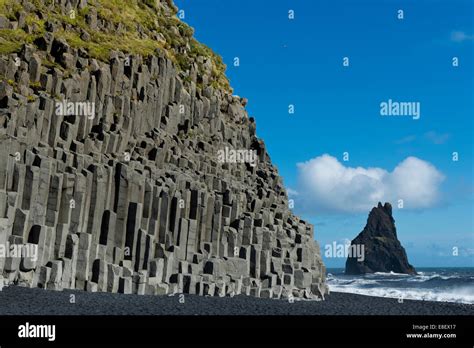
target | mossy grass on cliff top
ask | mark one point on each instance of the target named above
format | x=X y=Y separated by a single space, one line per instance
x=131 y=26
x=11 y=40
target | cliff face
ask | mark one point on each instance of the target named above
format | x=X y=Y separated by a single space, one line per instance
x=382 y=249
x=117 y=162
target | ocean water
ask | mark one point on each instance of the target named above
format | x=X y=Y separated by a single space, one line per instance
x=430 y=284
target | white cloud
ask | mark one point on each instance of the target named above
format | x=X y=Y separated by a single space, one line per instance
x=406 y=140
x=437 y=138
x=326 y=185
x=460 y=36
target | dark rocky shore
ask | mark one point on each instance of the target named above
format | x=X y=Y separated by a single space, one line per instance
x=25 y=301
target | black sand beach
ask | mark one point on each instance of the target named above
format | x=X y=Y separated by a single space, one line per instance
x=25 y=301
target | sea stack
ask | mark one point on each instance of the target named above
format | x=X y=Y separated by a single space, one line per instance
x=382 y=249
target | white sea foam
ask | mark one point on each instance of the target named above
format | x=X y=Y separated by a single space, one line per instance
x=428 y=286
x=391 y=274
x=458 y=294
x=425 y=278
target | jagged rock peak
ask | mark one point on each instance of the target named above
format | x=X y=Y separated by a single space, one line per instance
x=382 y=251
x=387 y=208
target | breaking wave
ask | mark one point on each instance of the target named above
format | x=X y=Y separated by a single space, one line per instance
x=443 y=285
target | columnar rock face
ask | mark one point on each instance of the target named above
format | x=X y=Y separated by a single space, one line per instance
x=127 y=192
x=382 y=249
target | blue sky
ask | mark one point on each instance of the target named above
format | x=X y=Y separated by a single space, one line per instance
x=337 y=109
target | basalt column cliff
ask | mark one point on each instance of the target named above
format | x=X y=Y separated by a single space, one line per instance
x=111 y=121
